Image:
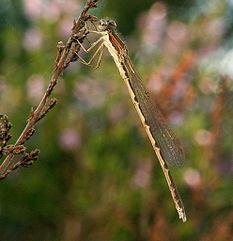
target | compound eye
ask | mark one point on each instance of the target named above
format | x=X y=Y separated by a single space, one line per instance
x=113 y=23
x=102 y=22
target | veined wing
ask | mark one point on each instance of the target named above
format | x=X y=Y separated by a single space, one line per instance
x=170 y=147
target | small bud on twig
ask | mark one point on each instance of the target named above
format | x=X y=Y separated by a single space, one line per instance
x=29 y=158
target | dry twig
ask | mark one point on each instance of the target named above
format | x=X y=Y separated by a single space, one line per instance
x=65 y=55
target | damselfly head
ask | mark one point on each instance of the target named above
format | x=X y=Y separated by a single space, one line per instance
x=105 y=24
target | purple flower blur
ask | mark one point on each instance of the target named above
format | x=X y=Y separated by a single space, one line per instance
x=69 y=139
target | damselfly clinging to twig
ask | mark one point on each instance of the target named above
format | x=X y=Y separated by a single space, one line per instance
x=166 y=146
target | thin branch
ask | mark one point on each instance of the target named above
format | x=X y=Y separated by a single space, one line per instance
x=46 y=104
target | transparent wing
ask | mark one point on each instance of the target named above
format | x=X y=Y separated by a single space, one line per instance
x=170 y=147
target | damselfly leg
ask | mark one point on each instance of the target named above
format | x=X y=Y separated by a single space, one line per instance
x=98 y=52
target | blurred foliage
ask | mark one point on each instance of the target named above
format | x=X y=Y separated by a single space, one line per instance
x=97 y=178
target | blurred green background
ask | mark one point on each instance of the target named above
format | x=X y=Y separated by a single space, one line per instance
x=97 y=178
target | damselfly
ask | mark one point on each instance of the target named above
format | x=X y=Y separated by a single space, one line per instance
x=166 y=146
